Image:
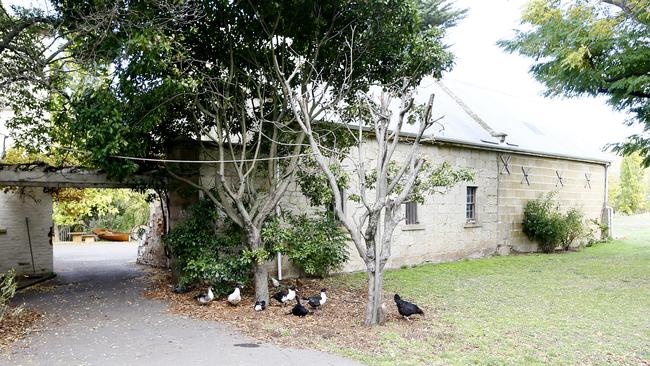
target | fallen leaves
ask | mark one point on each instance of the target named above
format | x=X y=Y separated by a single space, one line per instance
x=338 y=324
x=17 y=324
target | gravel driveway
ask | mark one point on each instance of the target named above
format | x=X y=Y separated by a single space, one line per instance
x=96 y=315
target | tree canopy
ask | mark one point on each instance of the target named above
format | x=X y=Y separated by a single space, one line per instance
x=592 y=47
x=142 y=74
x=136 y=74
x=630 y=199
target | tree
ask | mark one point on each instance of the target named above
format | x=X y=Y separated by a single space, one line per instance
x=613 y=191
x=115 y=209
x=382 y=181
x=631 y=199
x=153 y=70
x=592 y=47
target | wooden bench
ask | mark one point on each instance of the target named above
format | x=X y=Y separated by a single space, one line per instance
x=81 y=237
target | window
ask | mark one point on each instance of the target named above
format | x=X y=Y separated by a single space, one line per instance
x=470 y=211
x=411 y=213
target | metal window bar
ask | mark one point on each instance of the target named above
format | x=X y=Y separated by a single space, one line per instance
x=470 y=211
x=411 y=213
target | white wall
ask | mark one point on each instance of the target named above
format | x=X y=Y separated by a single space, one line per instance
x=14 y=243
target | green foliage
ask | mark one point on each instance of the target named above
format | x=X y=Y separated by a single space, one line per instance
x=313 y=182
x=574 y=227
x=7 y=291
x=432 y=179
x=543 y=222
x=315 y=244
x=440 y=13
x=115 y=209
x=630 y=198
x=613 y=191
x=549 y=227
x=592 y=47
x=140 y=77
x=204 y=252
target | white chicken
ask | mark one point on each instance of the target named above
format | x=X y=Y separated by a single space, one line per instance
x=235 y=297
x=206 y=298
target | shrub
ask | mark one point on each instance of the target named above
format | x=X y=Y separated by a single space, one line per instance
x=543 y=222
x=549 y=227
x=7 y=291
x=207 y=248
x=315 y=244
x=596 y=232
x=573 y=227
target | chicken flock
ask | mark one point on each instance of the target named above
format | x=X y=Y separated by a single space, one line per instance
x=290 y=295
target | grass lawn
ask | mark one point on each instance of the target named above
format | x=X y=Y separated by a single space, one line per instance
x=588 y=307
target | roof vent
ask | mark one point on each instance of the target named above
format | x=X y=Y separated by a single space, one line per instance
x=501 y=136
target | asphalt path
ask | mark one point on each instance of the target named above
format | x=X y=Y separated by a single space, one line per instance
x=96 y=315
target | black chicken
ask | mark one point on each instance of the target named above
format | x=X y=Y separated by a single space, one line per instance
x=298 y=309
x=316 y=301
x=406 y=308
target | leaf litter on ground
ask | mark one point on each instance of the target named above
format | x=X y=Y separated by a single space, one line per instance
x=338 y=324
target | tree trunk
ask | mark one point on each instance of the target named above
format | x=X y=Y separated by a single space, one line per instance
x=374 y=311
x=261 y=280
x=260 y=273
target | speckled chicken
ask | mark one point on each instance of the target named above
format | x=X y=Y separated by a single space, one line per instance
x=206 y=298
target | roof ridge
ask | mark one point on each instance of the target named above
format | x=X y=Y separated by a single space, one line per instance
x=469 y=110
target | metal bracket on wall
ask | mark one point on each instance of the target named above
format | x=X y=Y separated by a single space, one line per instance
x=560 y=180
x=3 y=230
x=526 y=172
x=588 y=179
x=505 y=159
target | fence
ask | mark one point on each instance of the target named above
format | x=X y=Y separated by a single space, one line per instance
x=64 y=233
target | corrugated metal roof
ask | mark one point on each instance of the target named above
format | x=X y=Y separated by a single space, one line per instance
x=474 y=117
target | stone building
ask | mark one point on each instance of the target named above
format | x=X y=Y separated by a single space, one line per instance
x=513 y=162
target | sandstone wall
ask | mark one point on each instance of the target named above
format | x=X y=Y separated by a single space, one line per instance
x=583 y=186
x=442 y=233
x=14 y=244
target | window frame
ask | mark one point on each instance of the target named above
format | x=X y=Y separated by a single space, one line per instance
x=412 y=208
x=471 y=194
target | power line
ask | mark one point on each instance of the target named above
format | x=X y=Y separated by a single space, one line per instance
x=205 y=161
x=187 y=161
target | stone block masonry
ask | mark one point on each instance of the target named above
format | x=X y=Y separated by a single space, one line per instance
x=443 y=232
x=36 y=206
x=578 y=184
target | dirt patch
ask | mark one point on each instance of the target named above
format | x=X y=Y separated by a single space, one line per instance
x=18 y=324
x=338 y=324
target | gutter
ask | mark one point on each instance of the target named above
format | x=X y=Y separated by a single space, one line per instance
x=508 y=149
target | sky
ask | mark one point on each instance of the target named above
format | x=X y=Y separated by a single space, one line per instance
x=483 y=68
